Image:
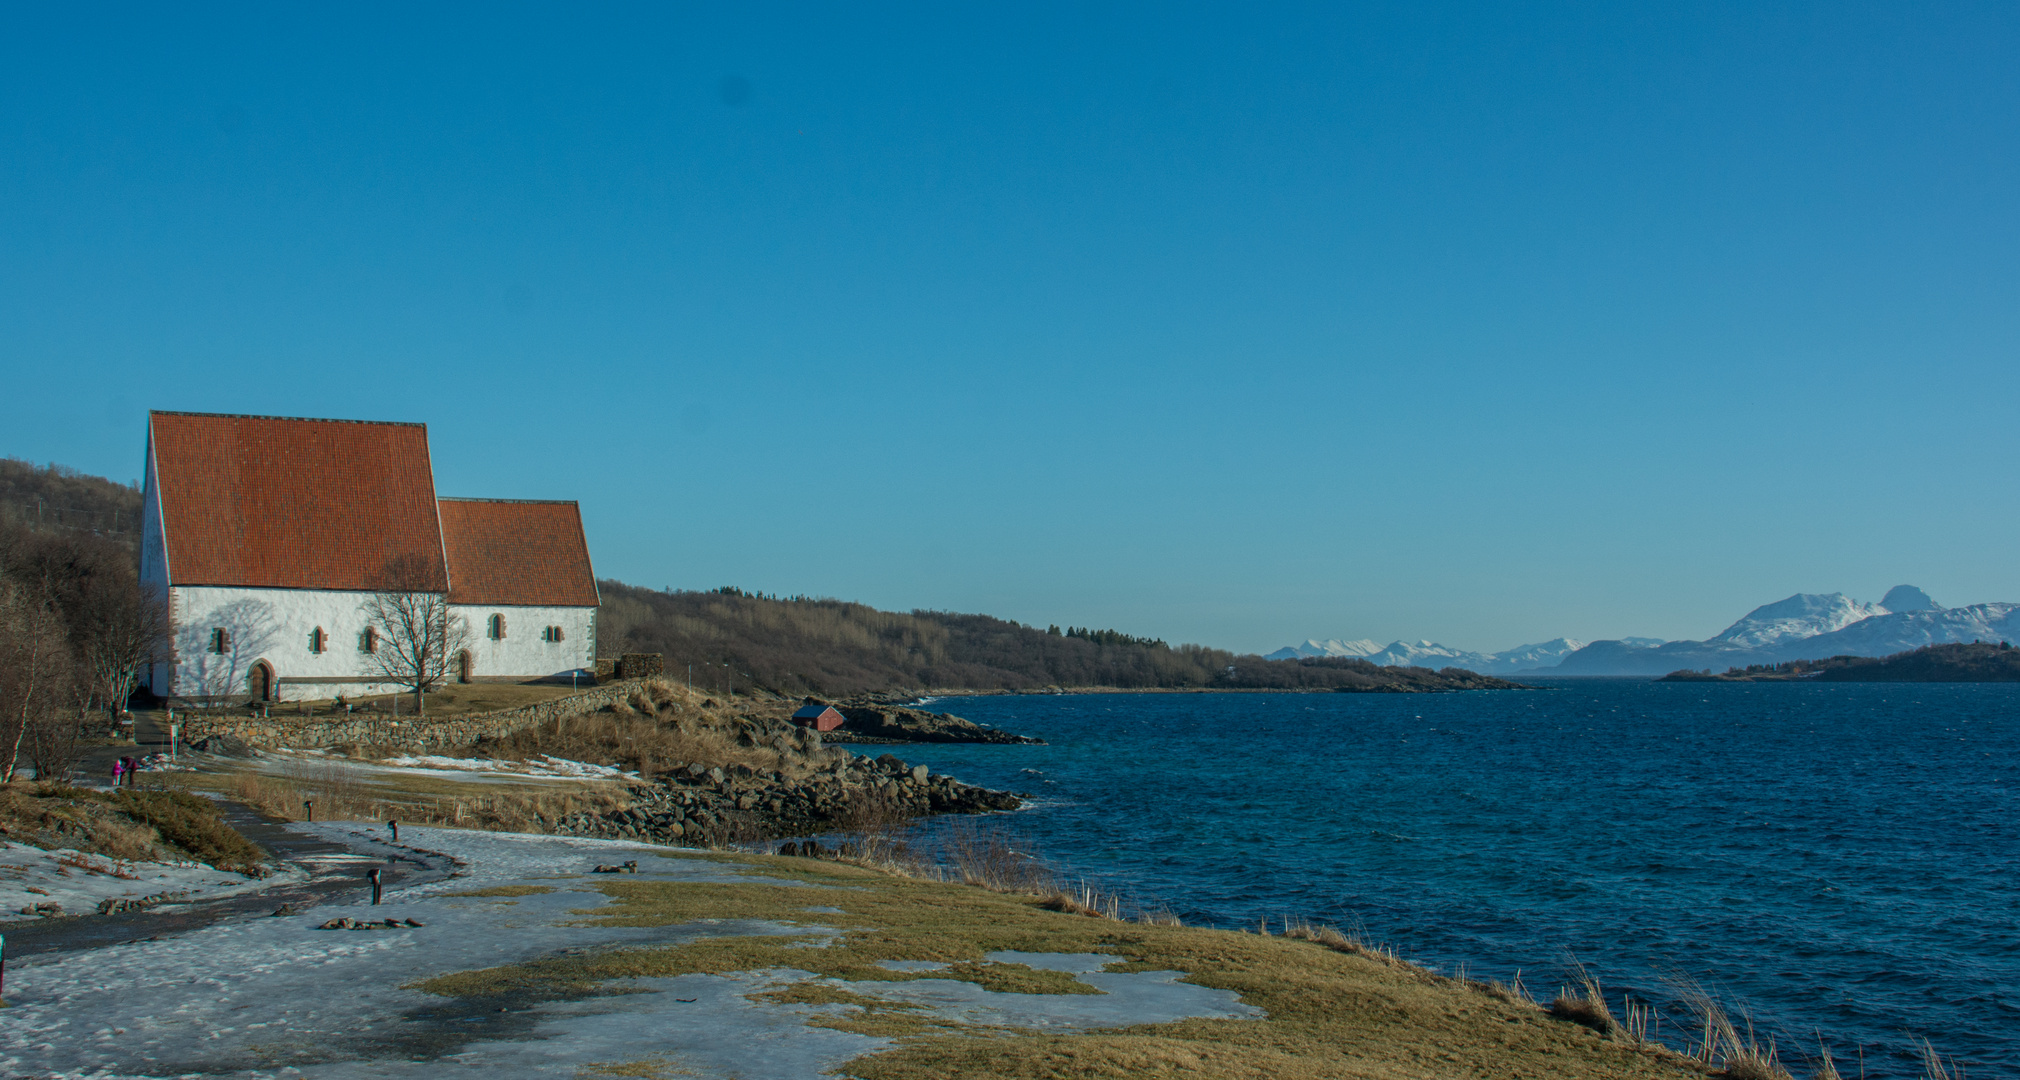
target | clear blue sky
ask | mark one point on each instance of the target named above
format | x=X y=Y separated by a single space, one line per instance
x=1234 y=325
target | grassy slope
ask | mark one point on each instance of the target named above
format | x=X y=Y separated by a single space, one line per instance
x=125 y=824
x=1330 y=1013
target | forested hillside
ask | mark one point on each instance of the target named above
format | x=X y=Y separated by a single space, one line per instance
x=1978 y=661
x=801 y=645
x=56 y=498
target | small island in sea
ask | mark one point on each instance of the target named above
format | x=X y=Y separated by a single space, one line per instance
x=1978 y=661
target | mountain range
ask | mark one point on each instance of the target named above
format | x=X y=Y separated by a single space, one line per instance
x=1430 y=654
x=1806 y=626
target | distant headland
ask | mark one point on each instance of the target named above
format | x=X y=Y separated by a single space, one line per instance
x=1976 y=661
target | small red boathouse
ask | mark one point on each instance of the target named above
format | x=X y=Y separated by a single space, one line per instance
x=818 y=717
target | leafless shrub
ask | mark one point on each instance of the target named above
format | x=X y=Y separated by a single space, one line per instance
x=988 y=856
x=52 y=744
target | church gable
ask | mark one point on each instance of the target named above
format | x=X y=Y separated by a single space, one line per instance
x=275 y=502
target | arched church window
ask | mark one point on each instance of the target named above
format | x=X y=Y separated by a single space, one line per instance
x=497 y=627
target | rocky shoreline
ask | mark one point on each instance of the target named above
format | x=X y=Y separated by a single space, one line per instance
x=716 y=806
x=876 y=721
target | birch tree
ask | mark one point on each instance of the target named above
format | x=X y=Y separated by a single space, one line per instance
x=34 y=667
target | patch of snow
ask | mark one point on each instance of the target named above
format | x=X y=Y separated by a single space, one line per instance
x=80 y=882
x=271 y=995
x=547 y=766
x=911 y=965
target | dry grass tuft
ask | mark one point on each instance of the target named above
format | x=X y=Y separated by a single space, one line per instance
x=1353 y=943
x=1720 y=1044
x=1936 y=1067
x=1586 y=1005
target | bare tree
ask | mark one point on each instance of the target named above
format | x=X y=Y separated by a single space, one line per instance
x=416 y=636
x=118 y=631
x=34 y=667
x=53 y=744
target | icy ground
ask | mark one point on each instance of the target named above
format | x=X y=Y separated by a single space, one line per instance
x=275 y=996
x=80 y=882
x=547 y=767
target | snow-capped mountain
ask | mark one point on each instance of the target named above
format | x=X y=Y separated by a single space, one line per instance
x=1315 y=647
x=1540 y=655
x=1804 y=615
x=1885 y=635
x=1433 y=655
x=1808 y=626
x=1429 y=654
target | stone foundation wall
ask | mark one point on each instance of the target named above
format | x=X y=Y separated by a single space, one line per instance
x=641 y=665
x=423 y=735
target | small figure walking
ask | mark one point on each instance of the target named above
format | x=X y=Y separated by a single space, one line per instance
x=118 y=772
x=374 y=876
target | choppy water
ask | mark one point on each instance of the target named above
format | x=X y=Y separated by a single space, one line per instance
x=1841 y=858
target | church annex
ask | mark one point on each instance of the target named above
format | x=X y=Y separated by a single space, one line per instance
x=268 y=533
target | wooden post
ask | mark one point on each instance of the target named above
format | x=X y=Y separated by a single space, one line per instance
x=310 y=806
x=373 y=874
x=395 y=826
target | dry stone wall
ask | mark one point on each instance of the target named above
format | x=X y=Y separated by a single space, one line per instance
x=421 y=735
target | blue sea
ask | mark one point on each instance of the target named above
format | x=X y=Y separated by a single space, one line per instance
x=1839 y=860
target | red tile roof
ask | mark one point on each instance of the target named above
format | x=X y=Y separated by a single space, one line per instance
x=276 y=502
x=516 y=551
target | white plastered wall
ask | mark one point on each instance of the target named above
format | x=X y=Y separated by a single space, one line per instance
x=524 y=653
x=275 y=626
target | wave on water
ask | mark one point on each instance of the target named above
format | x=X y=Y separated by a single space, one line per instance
x=1836 y=857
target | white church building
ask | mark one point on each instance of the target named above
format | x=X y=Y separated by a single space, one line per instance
x=268 y=534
